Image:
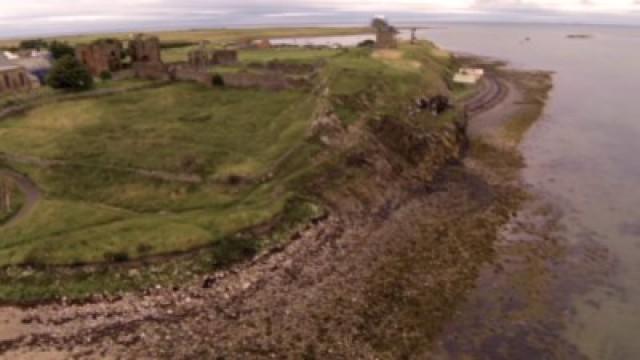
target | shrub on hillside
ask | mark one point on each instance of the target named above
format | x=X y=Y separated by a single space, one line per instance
x=60 y=49
x=69 y=74
x=105 y=76
x=367 y=44
x=217 y=80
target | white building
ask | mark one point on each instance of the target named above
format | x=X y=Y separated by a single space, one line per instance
x=469 y=76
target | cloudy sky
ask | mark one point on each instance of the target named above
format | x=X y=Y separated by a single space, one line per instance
x=36 y=17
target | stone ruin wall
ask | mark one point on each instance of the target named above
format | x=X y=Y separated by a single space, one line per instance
x=101 y=56
x=265 y=81
x=185 y=72
x=145 y=49
x=14 y=80
x=151 y=71
x=145 y=53
x=201 y=58
x=386 y=39
x=224 y=57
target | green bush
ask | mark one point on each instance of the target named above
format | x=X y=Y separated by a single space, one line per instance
x=367 y=44
x=60 y=49
x=105 y=76
x=69 y=74
x=231 y=250
x=116 y=256
x=217 y=80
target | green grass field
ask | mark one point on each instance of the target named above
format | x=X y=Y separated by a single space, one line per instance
x=99 y=205
x=179 y=167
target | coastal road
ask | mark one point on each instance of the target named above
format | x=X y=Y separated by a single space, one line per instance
x=492 y=93
x=495 y=104
x=30 y=190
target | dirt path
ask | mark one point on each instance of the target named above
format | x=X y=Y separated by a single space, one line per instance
x=489 y=119
x=493 y=91
x=29 y=189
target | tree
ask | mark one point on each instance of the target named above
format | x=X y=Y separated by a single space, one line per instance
x=60 y=49
x=69 y=74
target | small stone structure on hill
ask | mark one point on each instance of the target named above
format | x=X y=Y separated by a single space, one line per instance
x=101 y=56
x=224 y=57
x=385 y=34
x=146 y=59
x=145 y=49
x=146 y=63
x=202 y=58
x=14 y=79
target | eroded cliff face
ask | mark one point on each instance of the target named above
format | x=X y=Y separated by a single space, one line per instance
x=379 y=163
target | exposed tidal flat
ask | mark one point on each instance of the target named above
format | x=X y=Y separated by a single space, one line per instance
x=579 y=161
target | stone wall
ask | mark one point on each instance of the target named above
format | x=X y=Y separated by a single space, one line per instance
x=265 y=81
x=145 y=49
x=201 y=58
x=224 y=57
x=285 y=67
x=198 y=58
x=189 y=73
x=101 y=56
x=151 y=71
x=14 y=79
x=386 y=39
x=125 y=74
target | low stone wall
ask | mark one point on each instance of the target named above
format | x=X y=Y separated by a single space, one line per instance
x=151 y=71
x=265 y=81
x=123 y=75
x=187 y=73
x=285 y=68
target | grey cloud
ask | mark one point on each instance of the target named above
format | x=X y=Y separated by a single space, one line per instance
x=204 y=13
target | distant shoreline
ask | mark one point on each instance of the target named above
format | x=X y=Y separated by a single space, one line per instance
x=158 y=27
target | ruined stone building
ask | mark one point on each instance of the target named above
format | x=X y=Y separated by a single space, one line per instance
x=14 y=79
x=146 y=58
x=145 y=49
x=385 y=34
x=224 y=57
x=101 y=56
x=202 y=58
x=199 y=58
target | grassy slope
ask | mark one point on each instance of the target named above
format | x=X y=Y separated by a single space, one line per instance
x=180 y=128
x=216 y=35
x=387 y=84
x=94 y=212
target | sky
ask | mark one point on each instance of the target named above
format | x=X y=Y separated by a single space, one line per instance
x=53 y=17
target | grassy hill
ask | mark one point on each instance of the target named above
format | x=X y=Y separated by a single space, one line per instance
x=180 y=167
